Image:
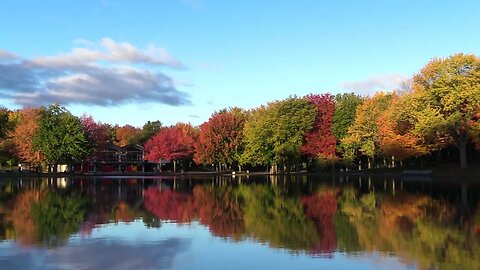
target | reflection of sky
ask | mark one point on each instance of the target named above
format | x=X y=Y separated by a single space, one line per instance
x=133 y=246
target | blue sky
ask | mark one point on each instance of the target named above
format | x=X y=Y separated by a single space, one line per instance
x=180 y=60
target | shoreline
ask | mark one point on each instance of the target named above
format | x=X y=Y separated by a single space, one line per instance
x=469 y=174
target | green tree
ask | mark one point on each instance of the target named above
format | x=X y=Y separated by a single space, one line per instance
x=148 y=130
x=274 y=134
x=449 y=91
x=4 y=122
x=345 y=107
x=8 y=121
x=344 y=116
x=60 y=136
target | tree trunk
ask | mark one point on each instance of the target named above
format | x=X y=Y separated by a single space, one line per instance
x=462 y=148
x=174 y=166
x=463 y=155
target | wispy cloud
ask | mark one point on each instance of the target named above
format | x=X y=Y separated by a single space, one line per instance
x=4 y=55
x=105 y=73
x=383 y=82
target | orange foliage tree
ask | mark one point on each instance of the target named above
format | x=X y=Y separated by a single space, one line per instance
x=125 y=134
x=395 y=131
x=362 y=135
x=22 y=136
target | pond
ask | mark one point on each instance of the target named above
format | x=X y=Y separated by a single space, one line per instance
x=263 y=222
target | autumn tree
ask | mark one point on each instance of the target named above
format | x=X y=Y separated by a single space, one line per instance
x=220 y=140
x=275 y=134
x=60 y=136
x=319 y=141
x=362 y=135
x=172 y=143
x=475 y=123
x=449 y=91
x=125 y=134
x=22 y=136
x=98 y=134
x=396 y=130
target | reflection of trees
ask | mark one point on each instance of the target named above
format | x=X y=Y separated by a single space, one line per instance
x=24 y=225
x=219 y=208
x=123 y=212
x=262 y=212
x=169 y=205
x=45 y=217
x=279 y=220
x=58 y=215
x=6 y=194
x=321 y=208
x=418 y=228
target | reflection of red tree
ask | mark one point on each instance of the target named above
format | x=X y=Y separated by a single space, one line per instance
x=169 y=205
x=321 y=208
x=219 y=211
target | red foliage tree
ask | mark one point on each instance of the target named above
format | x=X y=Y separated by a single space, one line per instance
x=172 y=143
x=220 y=138
x=97 y=132
x=320 y=141
x=169 y=205
x=321 y=208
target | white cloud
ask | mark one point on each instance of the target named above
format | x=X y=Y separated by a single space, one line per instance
x=105 y=74
x=383 y=82
x=109 y=50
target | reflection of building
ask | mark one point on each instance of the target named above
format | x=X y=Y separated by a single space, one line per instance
x=113 y=158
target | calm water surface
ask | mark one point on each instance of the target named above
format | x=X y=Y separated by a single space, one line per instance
x=224 y=223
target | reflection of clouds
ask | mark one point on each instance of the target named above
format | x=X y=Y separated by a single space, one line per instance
x=99 y=254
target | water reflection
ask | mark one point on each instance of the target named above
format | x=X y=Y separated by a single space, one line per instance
x=427 y=225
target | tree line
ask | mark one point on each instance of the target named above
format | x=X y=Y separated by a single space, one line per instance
x=437 y=111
